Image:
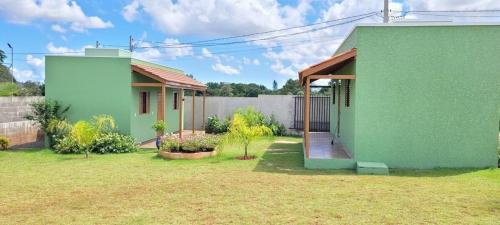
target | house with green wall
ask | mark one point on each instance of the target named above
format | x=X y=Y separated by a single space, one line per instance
x=109 y=81
x=409 y=95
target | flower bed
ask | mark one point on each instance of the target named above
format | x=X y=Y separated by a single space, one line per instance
x=191 y=147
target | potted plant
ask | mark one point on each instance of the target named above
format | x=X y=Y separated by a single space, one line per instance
x=160 y=127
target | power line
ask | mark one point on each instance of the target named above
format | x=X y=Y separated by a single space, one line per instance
x=451 y=15
x=454 y=11
x=265 y=32
x=266 y=38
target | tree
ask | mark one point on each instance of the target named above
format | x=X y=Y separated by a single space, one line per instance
x=241 y=132
x=8 y=89
x=44 y=112
x=30 y=88
x=5 y=74
x=84 y=133
x=275 y=85
x=2 y=56
x=291 y=87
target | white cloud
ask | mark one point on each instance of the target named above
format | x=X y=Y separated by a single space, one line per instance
x=173 y=53
x=206 y=53
x=248 y=61
x=34 y=61
x=51 y=48
x=256 y=62
x=60 y=11
x=148 y=54
x=25 y=75
x=58 y=28
x=226 y=69
x=129 y=12
x=217 y=17
x=453 y=5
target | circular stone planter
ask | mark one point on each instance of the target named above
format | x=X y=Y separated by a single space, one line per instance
x=182 y=155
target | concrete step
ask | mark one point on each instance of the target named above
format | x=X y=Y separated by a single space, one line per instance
x=377 y=168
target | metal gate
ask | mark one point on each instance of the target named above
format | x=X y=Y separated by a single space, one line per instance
x=319 y=114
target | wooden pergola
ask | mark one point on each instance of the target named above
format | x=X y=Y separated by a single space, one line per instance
x=324 y=70
x=172 y=79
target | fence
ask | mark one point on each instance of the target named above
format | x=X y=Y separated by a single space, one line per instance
x=319 y=113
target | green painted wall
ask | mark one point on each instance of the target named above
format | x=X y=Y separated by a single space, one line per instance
x=91 y=85
x=427 y=97
x=172 y=116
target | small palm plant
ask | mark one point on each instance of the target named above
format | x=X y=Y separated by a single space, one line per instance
x=160 y=127
x=84 y=133
x=241 y=132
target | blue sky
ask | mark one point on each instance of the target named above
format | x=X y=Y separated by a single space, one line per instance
x=58 y=26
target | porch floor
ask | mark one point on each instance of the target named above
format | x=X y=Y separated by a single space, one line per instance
x=185 y=133
x=321 y=147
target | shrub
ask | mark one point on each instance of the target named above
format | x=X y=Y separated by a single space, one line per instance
x=4 y=143
x=46 y=111
x=160 y=127
x=198 y=143
x=67 y=144
x=276 y=127
x=58 y=129
x=104 y=123
x=216 y=126
x=252 y=117
x=113 y=143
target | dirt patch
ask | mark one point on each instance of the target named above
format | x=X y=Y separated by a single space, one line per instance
x=250 y=157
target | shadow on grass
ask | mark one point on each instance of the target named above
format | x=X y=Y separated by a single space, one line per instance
x=27 y=150
x=439 y=172
x=287 y=157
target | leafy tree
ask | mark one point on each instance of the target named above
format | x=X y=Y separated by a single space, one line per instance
x=2 y=56
x=5 y=73
x=30 y=88
x=275 y=85
x=292 y=87
x=242 y=132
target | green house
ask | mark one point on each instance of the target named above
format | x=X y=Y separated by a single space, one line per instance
x=409 y=95
x=109 y=81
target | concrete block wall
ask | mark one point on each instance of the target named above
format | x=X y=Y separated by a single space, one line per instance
x=21 y=132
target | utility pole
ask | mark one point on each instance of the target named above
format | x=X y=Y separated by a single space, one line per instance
x=386 y=11
x=11 y=69
x=130 y=43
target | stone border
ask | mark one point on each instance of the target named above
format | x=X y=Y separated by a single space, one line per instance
x=181 y=155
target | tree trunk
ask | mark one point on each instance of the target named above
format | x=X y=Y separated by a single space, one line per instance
x=246 y=152
x=86 y=153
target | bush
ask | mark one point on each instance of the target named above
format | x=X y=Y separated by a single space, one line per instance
x=216 y=126
x=58 y=129
x=66 y=145
x=198 y=143
x=159 y=126
x=46 y=111
x=113 y=143
x=276 y=127
x=4 y=143
x=252 y=117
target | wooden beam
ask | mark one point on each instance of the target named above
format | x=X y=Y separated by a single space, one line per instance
x=192 y=119
x=203 y=113
x=307 y=107
x=334 y=60
x=161 y=105
x=181 y=111
x=338 y=110
x=332 y=76
x=137 y=84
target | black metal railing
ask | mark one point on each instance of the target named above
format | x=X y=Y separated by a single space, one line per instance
x=319 y=113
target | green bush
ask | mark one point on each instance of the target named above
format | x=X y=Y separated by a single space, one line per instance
x=198 y=143
x=252 y=117
x=159 y=127
x=46 y=111
x=68 y=144
x=4 y=143
x=216 y=126
x=113 y=143
x=276 y=127
x=58 y=129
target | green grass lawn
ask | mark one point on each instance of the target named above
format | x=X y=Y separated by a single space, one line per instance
x=40 y=187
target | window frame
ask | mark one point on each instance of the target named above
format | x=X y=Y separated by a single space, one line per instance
x=144 y=103
x=175 y=100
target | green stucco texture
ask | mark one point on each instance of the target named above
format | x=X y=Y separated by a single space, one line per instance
x=100 y=83
x=424 y=97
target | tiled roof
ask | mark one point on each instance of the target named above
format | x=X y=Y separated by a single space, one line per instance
x=168 y=77
x=331 y=64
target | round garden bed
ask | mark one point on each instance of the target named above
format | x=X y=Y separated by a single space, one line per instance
x=186 y=155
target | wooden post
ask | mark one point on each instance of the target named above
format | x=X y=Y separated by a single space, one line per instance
x=161 y=104
x=181 y=111
x=203 y=113
x=192 y=119
x=338 y=110
x=307 y=103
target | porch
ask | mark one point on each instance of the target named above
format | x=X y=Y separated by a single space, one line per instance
x=326 y=146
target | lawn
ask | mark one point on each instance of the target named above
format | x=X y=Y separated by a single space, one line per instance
x=40 y=187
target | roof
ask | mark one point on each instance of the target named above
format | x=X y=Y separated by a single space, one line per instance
x=333 y=63
x=168 y=77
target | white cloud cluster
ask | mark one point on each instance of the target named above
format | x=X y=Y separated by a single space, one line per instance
x=217 y=17
x=226 y=69
x=58 y=11
x=148 y=51
x=51 y=48
x=34 y=61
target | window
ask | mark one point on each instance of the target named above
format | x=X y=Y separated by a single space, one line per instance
x=144 y=102
x=176 y=99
